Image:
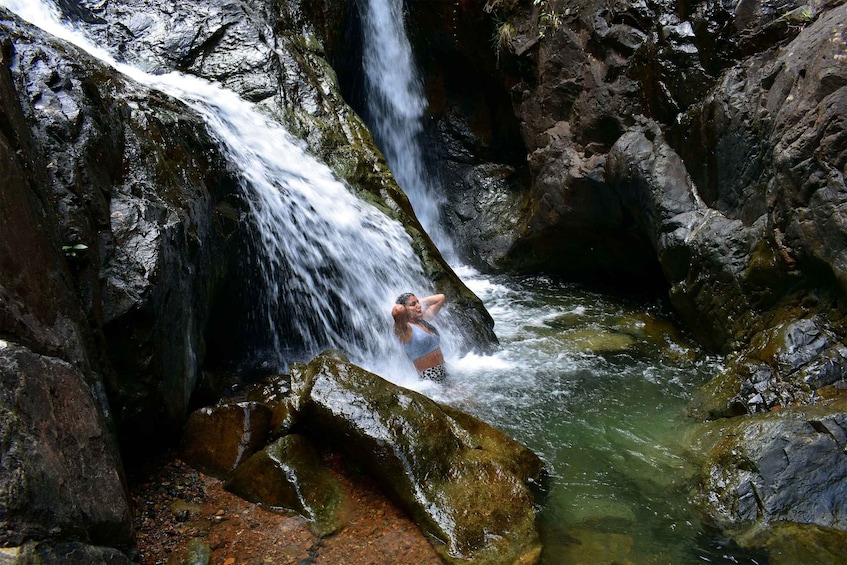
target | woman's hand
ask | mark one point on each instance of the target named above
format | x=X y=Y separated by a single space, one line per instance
x=433 y=304
x=398 y=312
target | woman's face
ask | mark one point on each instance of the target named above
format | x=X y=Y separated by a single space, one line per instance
x=413 y=307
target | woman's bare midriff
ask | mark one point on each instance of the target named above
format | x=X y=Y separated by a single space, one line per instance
x=429 y=360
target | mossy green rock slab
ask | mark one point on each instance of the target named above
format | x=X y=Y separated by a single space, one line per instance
x=466 y=484
x=289 y=475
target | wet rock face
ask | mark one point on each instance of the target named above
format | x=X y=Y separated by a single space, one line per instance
x=774 y=127
x=273 y=53
x=60 y=472
x=130 y=177
x=465 y=483
x=113 y=243
x=699 y=151
x=787 y=466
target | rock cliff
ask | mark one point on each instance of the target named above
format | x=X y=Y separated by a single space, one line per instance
x=694 y=148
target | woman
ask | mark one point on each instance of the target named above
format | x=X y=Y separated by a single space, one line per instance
x=420 y=340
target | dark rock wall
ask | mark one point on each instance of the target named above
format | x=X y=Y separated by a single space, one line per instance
x=694 y=148
x=117 y=213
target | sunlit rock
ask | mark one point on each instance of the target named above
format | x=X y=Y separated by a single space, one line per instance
x=785 y=365
x=786 y=466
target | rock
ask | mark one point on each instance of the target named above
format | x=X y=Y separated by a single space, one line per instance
x=289 y=475
x=598 y=342
x=784 y=466
x=218 y=439
x=60 y=472
x=466 y=484
x=271 y=53
x=136 y=179
x=197 y=553
x=62 y=553
x=785 y=365
x=789 y=543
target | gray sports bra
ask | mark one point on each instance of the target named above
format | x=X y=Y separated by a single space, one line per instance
x=421 y=343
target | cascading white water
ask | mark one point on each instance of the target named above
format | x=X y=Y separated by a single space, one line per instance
x=396 y=105
x=331 y=264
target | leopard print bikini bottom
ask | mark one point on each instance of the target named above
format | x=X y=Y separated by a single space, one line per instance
x=437 y=373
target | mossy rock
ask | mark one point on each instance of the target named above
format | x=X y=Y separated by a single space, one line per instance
x=469 y=486
x=288 y=475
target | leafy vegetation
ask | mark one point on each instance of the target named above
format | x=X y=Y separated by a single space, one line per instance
x=74 y=250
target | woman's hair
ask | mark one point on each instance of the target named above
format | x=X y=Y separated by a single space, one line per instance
x=404 y=298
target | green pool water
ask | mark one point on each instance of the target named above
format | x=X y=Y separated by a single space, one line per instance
x=598 y=386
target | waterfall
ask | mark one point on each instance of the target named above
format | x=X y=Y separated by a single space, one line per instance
x=330 y=264
x=396 y=106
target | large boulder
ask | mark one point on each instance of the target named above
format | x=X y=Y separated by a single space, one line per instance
x=466 y=484
x=469 y=487
x=62 y=553
x=60 y=472
x=767 y=472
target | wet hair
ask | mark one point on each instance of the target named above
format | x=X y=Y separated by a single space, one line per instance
x=404 y=298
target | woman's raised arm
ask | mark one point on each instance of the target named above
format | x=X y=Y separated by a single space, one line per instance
x=433 y=304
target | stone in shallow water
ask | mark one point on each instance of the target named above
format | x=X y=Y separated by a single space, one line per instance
x=790 y=543
x=588 y=547
x=600 y=342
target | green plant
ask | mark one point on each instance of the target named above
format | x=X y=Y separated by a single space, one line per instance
x=74 y=250
x=549 y=18
x=505 y=35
